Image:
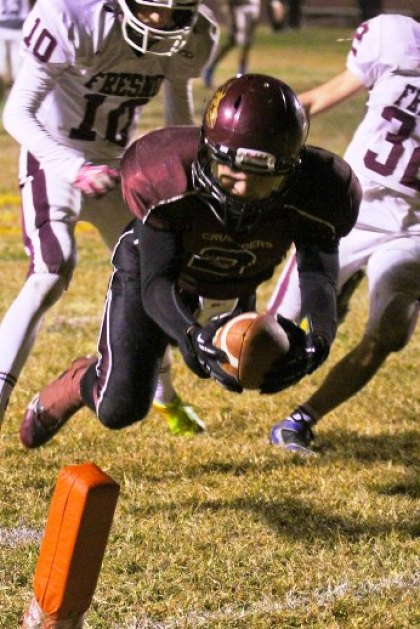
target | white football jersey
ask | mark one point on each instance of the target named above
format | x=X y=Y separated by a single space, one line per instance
x=81 y=86
x=385 y=56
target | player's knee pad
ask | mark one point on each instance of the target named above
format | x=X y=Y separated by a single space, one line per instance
x=45 y=288
x=397 y=322
x=52 y=249
x=115 y=413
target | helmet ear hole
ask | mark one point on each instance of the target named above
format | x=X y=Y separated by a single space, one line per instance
x=237 y=102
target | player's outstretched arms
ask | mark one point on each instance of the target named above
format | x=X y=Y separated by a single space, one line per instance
x=331 y=93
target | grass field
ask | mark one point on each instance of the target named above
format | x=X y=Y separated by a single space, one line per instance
x=223 y=530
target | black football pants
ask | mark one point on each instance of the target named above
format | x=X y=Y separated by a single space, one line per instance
x=121 y=386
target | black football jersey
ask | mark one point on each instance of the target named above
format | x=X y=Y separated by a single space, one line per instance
x=319 y=208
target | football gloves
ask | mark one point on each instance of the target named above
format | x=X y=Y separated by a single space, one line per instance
x=203 y=358
x=95 y=181
x=307 y=352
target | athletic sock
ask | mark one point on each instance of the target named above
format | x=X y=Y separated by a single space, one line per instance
x=304 y=413
x=165 y=392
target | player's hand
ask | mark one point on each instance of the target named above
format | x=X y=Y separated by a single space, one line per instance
x=307 y=352
x=95 y=181
x=204 y=359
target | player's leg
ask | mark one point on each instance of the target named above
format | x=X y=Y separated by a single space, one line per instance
x=276 y=14
x=6 y=69
x=295 y=14
x=222 y=51
x=355 y=251
x=394 y=287
x=49 y=212
x=119 y=386
x=245 y=34
x=3 y=66
x=294 y=433
x=110 y=216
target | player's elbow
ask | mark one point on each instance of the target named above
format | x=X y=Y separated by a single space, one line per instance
x=12 y=117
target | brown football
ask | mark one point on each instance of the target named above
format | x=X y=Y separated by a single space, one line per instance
x=252 y=342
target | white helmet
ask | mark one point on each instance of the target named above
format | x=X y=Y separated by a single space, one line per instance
x=159 y=41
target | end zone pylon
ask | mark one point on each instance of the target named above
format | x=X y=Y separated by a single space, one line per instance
x=72 y=549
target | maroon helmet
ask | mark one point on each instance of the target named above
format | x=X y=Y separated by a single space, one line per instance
x=253 y=123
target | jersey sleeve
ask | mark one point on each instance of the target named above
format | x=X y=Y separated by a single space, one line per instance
x=382 y=44
x=318 y=277
x=327 y=199
x=363 y=58
x=48 y=34
x=33 y=83
x=48 y=51
x=331 y=196
x=160 y=262
x=155 y=172
x=386 y=57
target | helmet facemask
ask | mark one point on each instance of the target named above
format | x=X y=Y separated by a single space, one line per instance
x=238 y=214
x=145 y=37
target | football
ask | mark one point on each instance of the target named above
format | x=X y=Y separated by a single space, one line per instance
x=252 y=342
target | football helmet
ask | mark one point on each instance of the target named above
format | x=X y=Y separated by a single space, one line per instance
x=253 y=123
x=165 y=40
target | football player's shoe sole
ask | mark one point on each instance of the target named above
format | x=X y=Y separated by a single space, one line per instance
x=54 y=405
x=180 y=417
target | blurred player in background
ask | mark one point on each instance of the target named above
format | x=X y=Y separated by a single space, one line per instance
x=369 y=9
x=243 y=19
x=88 y=70
x=294 y=13
x=12 y=16
x=276 y=14
x=385 y=154
x=216 y=210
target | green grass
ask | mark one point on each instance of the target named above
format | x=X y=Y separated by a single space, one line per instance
x=223 y=530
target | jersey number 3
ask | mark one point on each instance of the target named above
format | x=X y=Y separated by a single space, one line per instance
x=410 y=177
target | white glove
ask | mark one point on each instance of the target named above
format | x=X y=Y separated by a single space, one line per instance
x=95 y=181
